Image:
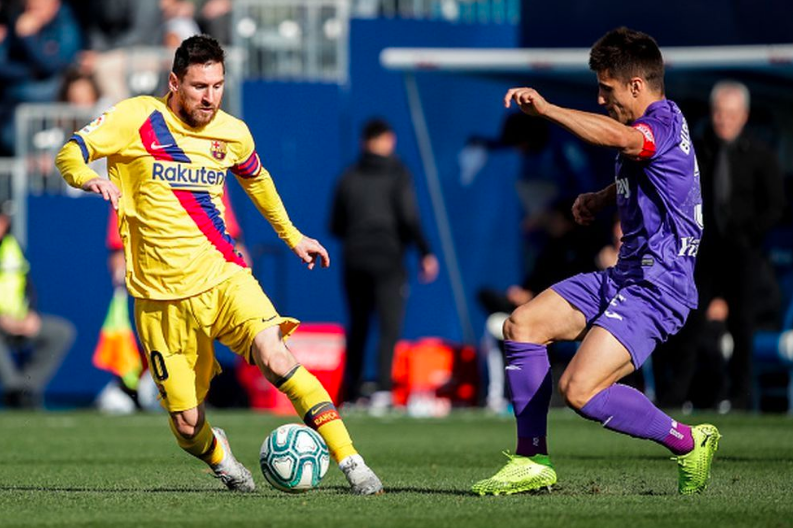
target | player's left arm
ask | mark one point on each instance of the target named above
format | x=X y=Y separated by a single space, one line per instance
x=261 y=189
x=259 y=186
x=596 y=129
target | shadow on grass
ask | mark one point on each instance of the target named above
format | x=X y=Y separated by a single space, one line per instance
x=397 y=490
x=592 y=488
x=343 y=490
x=76 y=489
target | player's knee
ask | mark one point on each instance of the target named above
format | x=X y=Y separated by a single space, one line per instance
x=517 y=328
x=271 y=355
x=575 y=394
x=279 y=363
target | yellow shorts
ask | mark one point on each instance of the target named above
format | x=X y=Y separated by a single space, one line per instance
x=178 y=336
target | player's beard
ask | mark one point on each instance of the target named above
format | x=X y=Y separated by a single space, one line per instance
x=196 y=117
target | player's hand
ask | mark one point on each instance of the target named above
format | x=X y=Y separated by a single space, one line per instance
x=309 y=250
x=528 y=100
x=586 y=206
x=106 y=188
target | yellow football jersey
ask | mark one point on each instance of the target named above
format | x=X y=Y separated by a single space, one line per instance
x=171 y=176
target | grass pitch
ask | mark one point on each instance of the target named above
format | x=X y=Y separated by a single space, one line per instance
x=83 y=469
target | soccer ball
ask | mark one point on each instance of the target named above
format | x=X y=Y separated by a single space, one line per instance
x=294 y=458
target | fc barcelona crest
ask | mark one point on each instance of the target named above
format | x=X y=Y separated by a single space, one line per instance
x=218 y=149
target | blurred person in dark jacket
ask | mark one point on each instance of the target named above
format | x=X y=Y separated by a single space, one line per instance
x=743 y=198
x=375 y=215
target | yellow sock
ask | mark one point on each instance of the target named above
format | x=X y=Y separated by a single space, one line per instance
x=312 y=402
x=203 y=445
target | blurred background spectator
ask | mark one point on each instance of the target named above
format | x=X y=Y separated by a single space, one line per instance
x=374 y=214
x=41 y=40
x=80 y=89
x=569 y=249
x=743 y=198
x=554 y=168
x=113 y=30
x=32 y=345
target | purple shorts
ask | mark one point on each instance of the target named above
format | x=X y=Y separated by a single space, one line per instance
x=639 y=315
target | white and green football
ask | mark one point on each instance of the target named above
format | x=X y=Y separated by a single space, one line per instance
x=294 y=458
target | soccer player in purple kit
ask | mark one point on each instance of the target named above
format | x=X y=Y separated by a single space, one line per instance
x=623 y=312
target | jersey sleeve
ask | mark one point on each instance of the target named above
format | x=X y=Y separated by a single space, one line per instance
x=259 y=186
x=108 y=134
x=111 y=132
x=656 y=135
x=248 y=164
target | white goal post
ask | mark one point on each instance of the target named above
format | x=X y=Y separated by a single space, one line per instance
x=518 y=60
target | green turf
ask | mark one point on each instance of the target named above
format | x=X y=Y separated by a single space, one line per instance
x=83 y=469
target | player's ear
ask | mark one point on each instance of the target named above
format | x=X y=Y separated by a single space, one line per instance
x=173 y=82
x=636 y=85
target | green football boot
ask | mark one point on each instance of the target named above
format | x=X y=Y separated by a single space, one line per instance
x=519 y=475
x=693 y=468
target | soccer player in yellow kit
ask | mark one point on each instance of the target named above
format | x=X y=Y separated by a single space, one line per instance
x=167 y=161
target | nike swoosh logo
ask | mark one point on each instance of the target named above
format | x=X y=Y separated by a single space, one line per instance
x=612 y=315
x=512 y=367
x=155 y=146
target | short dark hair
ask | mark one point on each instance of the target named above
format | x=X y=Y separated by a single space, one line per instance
x=375 y=128
x=624 y=53
x=198 y=49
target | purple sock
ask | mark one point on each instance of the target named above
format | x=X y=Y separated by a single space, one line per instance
x=529 y=377
x=626 y=410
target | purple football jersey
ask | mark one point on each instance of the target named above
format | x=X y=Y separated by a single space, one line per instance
x=660 y=205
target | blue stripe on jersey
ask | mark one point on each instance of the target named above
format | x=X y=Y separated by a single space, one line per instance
x=165 y=137
x=83 y=147
x=205 y=201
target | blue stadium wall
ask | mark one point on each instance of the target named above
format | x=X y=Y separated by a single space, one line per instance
x=306 y=133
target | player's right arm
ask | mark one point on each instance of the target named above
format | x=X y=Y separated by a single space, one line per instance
x=78 y=174
x=108 y=134
x=593 y=128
